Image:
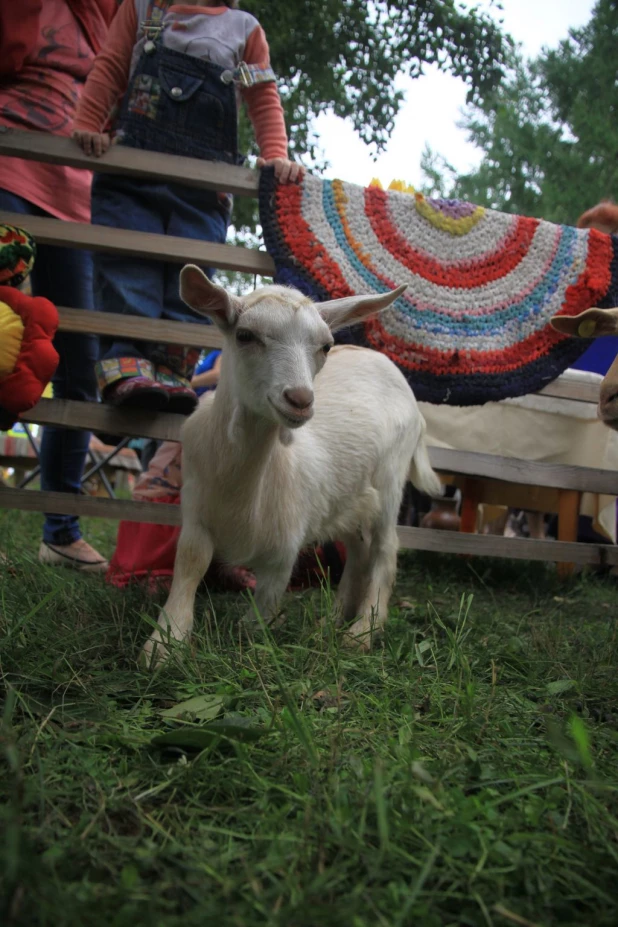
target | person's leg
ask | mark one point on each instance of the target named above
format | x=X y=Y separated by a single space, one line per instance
x=64 y=276
x=128 y=286
x=190 y=214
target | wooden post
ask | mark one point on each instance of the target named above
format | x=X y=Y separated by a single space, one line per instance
x=471 y=496
x=568 y=517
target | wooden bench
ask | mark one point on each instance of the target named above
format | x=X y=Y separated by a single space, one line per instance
x=107 y=473
x=520 y=475
x=18 y=454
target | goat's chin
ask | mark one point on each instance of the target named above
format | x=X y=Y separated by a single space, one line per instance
x=289 y=419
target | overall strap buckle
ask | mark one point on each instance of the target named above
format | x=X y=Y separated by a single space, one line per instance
x=152 y=27
x=247 y=75
x=151 y=30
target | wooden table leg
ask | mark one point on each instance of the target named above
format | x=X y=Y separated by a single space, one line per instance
x=536 y=525
x=569 y=501
x=471 y=497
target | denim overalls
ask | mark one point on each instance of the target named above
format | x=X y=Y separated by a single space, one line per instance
x=176 y=104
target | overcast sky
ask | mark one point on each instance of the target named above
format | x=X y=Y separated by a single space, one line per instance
x=434 y=101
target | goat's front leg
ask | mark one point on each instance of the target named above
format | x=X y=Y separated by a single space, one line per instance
x=193 y=556
x=271 y=581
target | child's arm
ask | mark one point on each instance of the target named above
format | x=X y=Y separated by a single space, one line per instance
x=106 y=83
x=209 y=377
x=266 y=114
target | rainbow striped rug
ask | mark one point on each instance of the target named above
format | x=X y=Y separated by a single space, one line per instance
x=473 y=325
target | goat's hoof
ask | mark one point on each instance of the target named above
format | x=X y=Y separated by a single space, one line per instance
x=277 y=621
x=357 y=643
x=361 y=636
x=153 y=654
x=333 y=619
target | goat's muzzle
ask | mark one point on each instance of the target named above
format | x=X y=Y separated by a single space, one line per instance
x=299 y=398
x=295 y=406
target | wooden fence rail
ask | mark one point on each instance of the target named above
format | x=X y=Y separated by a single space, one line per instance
x=164 y=426
x=142 y=244
x=149 y=165
x=190 y=334
x=410 y=538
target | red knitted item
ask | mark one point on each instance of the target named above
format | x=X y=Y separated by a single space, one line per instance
x=21 y=389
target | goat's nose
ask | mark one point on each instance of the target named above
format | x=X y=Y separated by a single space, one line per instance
x=300 y=397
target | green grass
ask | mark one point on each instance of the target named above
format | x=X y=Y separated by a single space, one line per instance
x=462 y=774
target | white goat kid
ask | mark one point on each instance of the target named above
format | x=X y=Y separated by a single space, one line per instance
x=269 y=465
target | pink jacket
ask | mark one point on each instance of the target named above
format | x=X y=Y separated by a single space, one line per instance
x=47 y=48
x=19 y=28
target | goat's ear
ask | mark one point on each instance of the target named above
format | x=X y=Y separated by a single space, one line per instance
x=589 y=324
x=352 y=309
x=198 y=292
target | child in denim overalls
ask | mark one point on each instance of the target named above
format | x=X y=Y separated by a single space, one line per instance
x=178 y=68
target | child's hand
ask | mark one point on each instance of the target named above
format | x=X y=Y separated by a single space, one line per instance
x=285 y=171
x=92 y=143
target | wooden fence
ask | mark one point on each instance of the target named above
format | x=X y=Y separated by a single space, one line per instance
x=568 y=481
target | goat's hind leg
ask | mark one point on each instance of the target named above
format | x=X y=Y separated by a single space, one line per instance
x=193 y=556
x=271 y=580
x=382 y=569
x=353 y=583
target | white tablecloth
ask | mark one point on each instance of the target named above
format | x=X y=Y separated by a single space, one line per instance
x=535 y=428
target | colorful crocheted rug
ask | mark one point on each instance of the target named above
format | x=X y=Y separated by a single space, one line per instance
x=473 y=325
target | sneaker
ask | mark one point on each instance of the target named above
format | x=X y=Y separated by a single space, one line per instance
x=79 y=555
x=181 y=399
x=137 y=393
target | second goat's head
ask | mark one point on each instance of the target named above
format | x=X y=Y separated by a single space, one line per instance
x=276 y=340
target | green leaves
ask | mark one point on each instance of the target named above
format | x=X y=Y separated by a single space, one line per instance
x=344 y=57
x=578 y=732
x=559 y=686
x=547 y=140
x=199 y=738
x=232 y=727
x=200 y=708
x=573 y=744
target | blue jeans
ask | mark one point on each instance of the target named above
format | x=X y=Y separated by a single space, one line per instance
x=141 y=287
x=64 y=276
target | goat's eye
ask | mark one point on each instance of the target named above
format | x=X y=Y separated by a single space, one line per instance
x=244 y=336
x=326 y=348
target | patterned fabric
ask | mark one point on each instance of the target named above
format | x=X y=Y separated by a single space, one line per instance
x=112 y=369
x=119 y=368
x=473 y=325
x=17 y=254
x=167 y=378
x=175 y=363
x=249 y=74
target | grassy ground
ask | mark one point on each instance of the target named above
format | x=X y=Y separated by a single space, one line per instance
x=462 y=774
